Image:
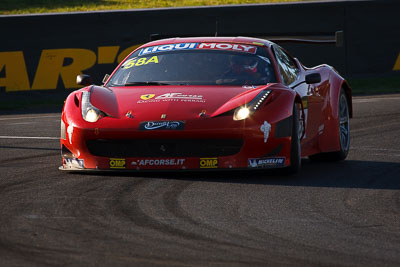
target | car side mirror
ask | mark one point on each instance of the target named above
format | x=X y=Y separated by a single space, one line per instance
x=84 y=79
x=313 y=78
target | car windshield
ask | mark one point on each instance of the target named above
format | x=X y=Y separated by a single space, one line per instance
x=192 y=64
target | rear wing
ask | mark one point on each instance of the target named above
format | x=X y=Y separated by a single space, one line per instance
x=337 y=39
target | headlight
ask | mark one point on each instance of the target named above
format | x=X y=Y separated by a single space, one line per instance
x=89 y=112
x=243 y=112
x=92 y=115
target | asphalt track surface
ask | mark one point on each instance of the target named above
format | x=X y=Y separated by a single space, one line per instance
x=345 y=213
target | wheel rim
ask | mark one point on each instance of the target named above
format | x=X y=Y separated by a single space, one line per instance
x=344 y=125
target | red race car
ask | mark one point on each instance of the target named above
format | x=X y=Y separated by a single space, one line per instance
x=207 y=103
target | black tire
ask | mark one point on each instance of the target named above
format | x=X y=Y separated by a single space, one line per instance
x=344 y=133
x=295 y=149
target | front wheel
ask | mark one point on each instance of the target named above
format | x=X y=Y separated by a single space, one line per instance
x=343 y=131
x=295 y=149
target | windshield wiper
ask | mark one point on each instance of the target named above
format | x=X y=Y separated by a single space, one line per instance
x=145 y=83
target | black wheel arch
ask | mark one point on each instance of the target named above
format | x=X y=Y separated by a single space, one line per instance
x=347 y=89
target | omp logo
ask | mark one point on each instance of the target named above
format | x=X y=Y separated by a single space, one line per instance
x=147 y=97
x=397 y=63
x=117 y=163
x=208 y=163
x=54 y=64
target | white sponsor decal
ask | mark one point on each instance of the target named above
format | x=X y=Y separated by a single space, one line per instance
x=74 y=163
x=266 y=129
x=158 y=162
x=249 y=87
x=156 y=125
x=183 y=46
x=321 y=129
x=166 y=125
x=179 y=96
x=167 y=47
x=226 y=46
x=266 y=162
x=70 y=131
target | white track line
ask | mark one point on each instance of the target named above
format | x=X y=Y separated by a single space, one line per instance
x=367 y=99
x=30 y=117
x=29 y=137
x=374 y=127
x=376 y=149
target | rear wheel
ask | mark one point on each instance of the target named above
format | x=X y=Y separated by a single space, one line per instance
x=344 y=133
x=295 y=150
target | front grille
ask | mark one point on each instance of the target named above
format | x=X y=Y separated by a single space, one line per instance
x=164 y=148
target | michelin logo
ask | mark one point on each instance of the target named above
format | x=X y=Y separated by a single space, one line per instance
x=266 y=162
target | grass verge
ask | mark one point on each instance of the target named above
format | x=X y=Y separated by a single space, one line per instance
x=8 y=7
x=369 y=86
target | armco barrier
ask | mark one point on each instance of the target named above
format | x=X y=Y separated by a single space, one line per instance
x=46 y=52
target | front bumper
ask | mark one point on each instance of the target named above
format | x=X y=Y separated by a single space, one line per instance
x=116 y=150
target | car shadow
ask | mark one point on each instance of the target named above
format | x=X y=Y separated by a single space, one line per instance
x=344 y=174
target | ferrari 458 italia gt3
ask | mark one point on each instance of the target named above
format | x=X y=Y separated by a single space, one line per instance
x=207 y=103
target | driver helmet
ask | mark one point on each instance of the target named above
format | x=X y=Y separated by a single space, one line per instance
x=244 y=64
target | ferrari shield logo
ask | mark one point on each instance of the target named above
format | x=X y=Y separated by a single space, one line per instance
x=147 y=97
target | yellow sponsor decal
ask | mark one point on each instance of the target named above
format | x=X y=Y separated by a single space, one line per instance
x=208 y=163
x=16 y=76
x=51 y=67
x=397 y=63
x=55 y=65
x=107 y=54
x=117 y=163
x=304 y=101
x=147 y=97
x=136 y=62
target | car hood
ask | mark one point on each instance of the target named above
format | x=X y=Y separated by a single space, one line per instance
x=176 y=102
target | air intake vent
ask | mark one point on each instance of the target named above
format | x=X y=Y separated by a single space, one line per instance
x=165 y=148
